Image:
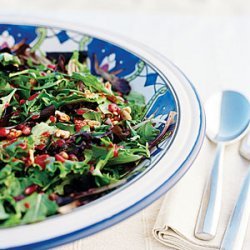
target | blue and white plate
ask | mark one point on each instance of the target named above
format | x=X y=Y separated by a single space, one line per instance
x=166 y=89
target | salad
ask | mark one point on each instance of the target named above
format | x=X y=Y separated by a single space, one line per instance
x=67 y=137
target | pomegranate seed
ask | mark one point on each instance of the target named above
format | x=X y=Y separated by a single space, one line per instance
x=43 y=74
x=51 y=66
x=73 y=157
x=116 y=150
x=59 y=158
x=6 y=105
x=41 y=160
x=113 y=108
x=80 y=111
x=26 y=130
x=27 y=205
x=32 y=97
x=4 y=132
x=60 y=143
x=40 y=146
x=23 y=145
x=35 y=117
x=22 y=101
x=52 y=118
x=46 y=134
x=31 y=189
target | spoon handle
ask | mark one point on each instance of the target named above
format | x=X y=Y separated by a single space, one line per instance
x=209 y=213
x=237 y=226
x=245 y=147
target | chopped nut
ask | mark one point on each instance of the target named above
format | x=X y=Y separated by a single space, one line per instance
x=62 y=134
x=108 y=85
x=14 y=133
x=89 y=94
x=62 y=116
x=33 y=81
x=64 y=155
x=31 y=155
x=125 y=115
x=93 y=123
x=128 y=109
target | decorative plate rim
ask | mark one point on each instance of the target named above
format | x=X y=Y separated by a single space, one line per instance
x=145 y=201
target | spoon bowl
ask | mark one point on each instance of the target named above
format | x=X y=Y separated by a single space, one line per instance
x=227 y=115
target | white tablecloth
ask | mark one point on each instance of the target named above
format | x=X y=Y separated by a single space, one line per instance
x=213 y=51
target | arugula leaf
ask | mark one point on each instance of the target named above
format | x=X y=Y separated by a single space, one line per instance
x=5 y=101
x=3 y=214
x=136 y=101
x=147 y=132
x=38 y=208
x=39 y=130
x=8 y=59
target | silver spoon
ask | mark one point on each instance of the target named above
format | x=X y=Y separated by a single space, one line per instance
x=227 y=116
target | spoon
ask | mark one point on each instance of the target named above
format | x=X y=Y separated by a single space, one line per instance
x=227 y=116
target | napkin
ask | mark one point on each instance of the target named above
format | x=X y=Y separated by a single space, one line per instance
x=175 y=224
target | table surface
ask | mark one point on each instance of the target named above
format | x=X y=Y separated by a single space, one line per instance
x=208 y=40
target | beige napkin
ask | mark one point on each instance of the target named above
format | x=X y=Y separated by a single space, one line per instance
x=176 y=220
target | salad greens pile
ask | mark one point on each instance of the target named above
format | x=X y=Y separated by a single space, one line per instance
x=66 y=136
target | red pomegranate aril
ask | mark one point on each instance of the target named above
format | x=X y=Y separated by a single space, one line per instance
x=26 y=130
x=23 y=145
x=59 y=158
x=116 y=150
x=27 y=205
x=41 y=160
x=80 y=111
x=6 y=105
x=35 y=117
x=41 y=146
x=4 y=132
x=60 y=143
x=32 y=97
x=73 y=157
x=46 y=134
x=113 y=108
x=51 y=66
x=52 y=118
x=31 y=189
